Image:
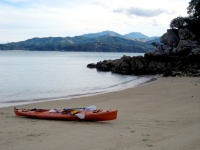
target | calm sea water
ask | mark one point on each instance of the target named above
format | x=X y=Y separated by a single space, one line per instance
x=30 y=76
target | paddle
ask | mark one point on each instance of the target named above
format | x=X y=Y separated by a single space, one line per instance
x=92 y=107
x=81 y=115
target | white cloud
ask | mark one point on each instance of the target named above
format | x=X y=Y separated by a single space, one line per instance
x=140 y=12
x=22 y=19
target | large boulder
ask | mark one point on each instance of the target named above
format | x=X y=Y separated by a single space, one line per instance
x=170 y=38
x=122 y=66
x=91 y=65
x=138 y=65
x=106 y=65
x=185 y=33
x=184 y=47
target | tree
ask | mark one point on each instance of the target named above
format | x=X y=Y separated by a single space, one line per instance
x=178 y=22
x=194 y=9
x=194 y=17
x=193 y=20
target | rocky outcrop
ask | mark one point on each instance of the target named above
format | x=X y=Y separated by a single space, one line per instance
x=178 y=55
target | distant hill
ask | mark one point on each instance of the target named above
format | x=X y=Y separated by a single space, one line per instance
x=93 y=35
x=106 y=41
x=140 y=37
x=136 y=35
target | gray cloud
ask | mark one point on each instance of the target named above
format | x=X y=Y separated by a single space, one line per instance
x=140 y=12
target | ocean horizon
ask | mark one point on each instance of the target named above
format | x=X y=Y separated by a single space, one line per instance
x=36 y=76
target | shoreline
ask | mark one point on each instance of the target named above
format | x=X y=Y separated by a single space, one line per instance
x=163 y=114
x=145 y=80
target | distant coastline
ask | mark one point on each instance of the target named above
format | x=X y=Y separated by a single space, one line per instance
x=106 y=41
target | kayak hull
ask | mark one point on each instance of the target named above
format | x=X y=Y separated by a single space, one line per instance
x=89 y=115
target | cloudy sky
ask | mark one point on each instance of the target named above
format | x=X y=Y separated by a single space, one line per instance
x=25 y=19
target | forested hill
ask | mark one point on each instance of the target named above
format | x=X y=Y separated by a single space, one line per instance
x=107 y=41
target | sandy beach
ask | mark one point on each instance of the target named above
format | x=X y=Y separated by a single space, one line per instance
x=161 y=115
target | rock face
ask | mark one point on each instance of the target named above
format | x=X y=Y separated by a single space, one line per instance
x=178 y=55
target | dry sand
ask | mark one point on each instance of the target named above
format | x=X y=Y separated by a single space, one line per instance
x=161 y=115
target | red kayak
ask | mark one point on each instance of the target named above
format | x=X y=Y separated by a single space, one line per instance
x=71 y=114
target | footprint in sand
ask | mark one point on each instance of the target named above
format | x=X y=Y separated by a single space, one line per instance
x=145 y=139
x=149 y=145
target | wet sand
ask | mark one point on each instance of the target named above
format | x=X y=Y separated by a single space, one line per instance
x=163 y=114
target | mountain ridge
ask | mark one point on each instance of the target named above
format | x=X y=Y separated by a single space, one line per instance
x=105 y=41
